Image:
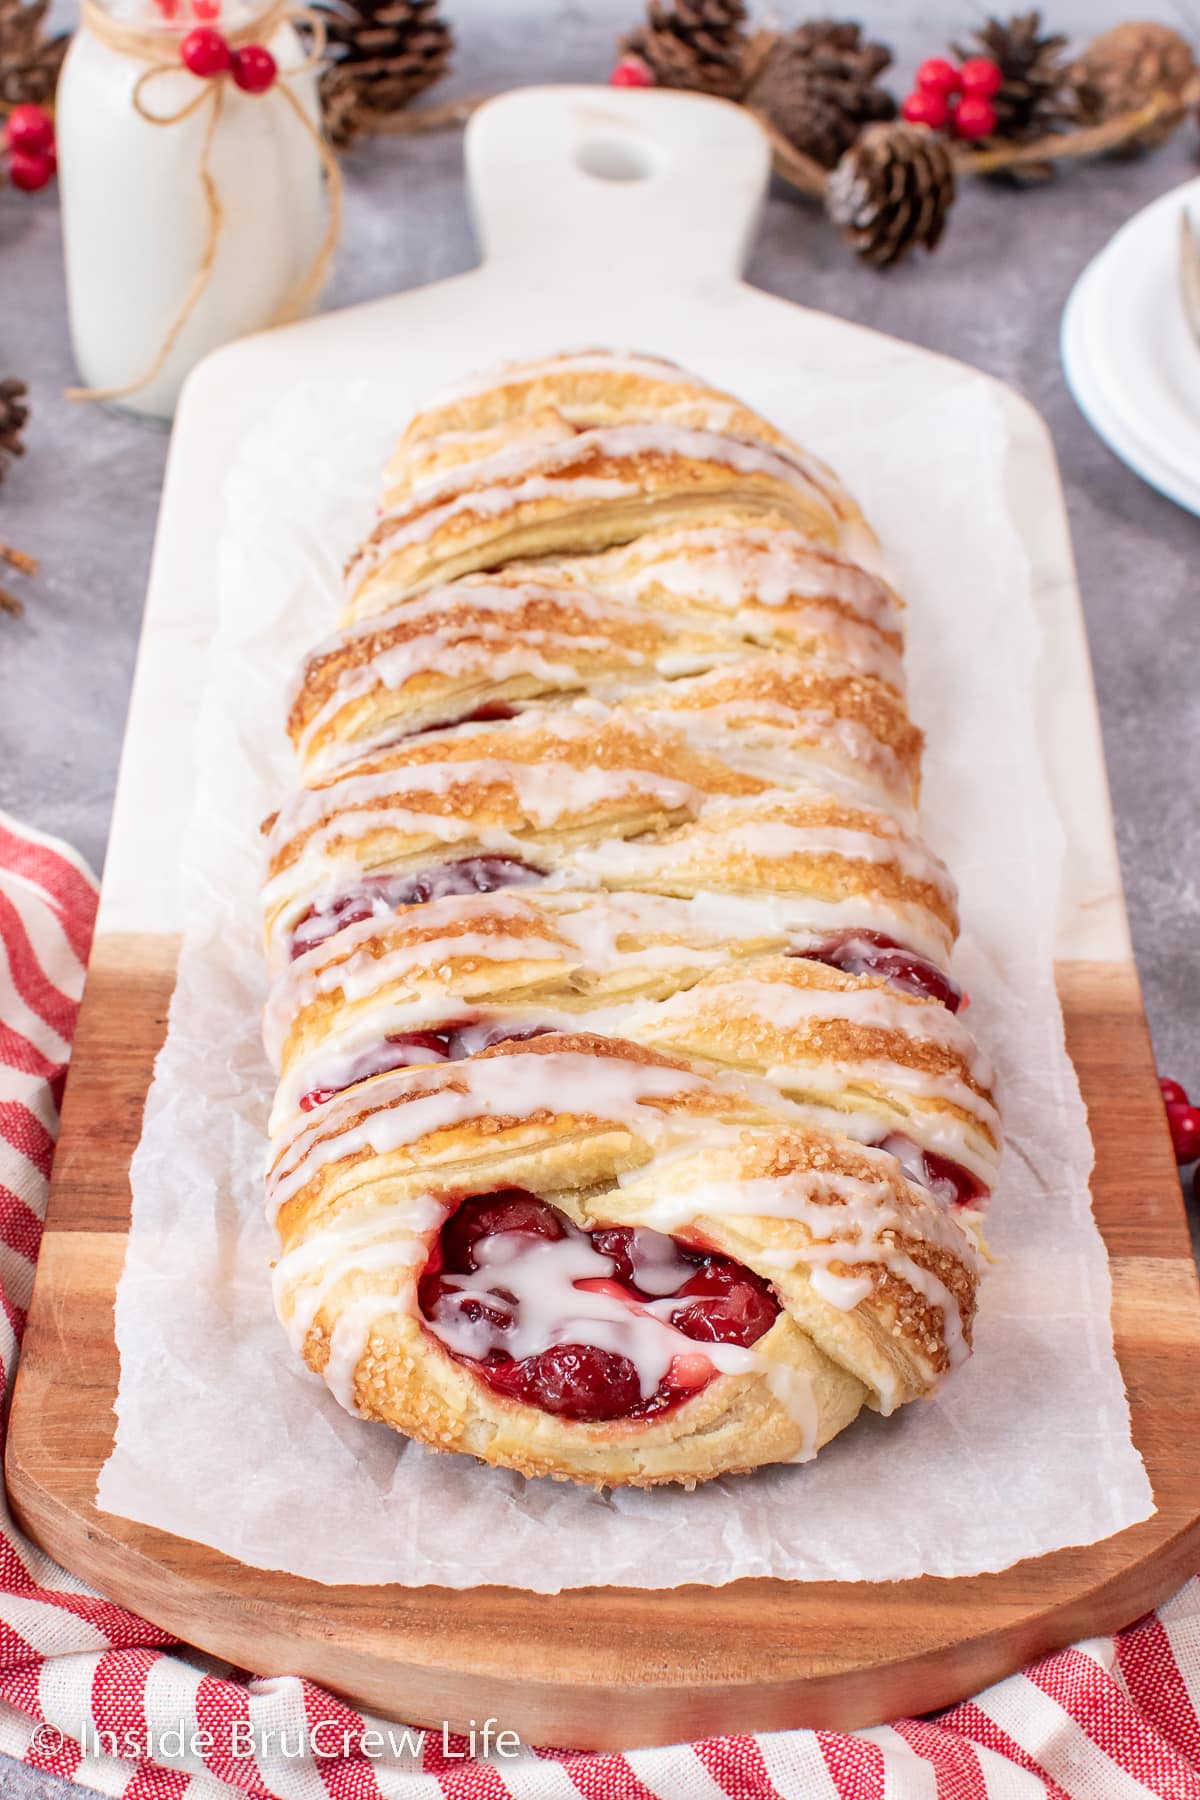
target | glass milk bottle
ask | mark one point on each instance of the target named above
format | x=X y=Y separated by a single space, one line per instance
x=192 y=206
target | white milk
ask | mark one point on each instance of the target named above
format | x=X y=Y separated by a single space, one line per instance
x=134 y=217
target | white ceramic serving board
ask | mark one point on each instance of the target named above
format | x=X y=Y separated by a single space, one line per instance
x=609 y=218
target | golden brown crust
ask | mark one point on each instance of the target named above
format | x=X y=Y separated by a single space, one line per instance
x=313 y=1168
x=856 y=723
x=746 y=1009
x=597 y=489
x=546 y=400
x=542 y=625
x=804 y=843
x=765 y=573
x=734 y=1425
x=514 y=637
x=536 y=787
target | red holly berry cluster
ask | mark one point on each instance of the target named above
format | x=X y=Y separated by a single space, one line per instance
x=29 y=140
x=1184 y=1120
x=956 y=97
x=207 y=54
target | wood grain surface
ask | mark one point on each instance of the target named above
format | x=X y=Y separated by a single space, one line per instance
x=606 y=1668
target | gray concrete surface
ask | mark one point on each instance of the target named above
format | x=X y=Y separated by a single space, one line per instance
x=85 y=496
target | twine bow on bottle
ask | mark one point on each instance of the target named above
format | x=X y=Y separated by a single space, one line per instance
x=211 y=93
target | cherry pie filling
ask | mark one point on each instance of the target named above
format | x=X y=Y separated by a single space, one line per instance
x=492 y=712
x=454 y=1039
x=573 y=1321
x=449 y=1042
x=375 y=896
x=871 y=953
x=947 y=1181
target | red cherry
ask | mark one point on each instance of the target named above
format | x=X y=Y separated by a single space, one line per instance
x=1185 y=1132
x=938 y=76
x=974 y=117
x=205 y=53
x=30 y=171
x=631 y=73
x=1173 y=1094
x=617 y=1241
x=487 y=1215
x=871 y=953
x=926 y=107
x=727 y=1304
x=490 y=711
x=980 y=75
x=575 y=1381
x=207 y=9
x=378 y=894
x=29 y=129
x=955 y=1183
x=254 y=69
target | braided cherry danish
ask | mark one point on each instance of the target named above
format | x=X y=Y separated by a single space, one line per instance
x=627 y=1130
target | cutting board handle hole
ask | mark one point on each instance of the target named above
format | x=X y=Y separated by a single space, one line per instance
x=613 y=158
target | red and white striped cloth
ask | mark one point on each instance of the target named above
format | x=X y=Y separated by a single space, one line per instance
x=1111 y=1719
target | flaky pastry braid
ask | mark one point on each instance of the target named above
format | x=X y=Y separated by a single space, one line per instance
x=628 y=1129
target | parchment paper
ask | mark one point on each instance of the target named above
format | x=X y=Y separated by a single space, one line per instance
x=224 y=1437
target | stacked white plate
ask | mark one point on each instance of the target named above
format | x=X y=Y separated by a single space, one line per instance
x=1131 y=360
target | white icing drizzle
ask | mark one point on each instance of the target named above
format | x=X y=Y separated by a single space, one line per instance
x=769 y=567
x=471 y=644
x=839 y=642
x=862 y=1097
x=843 y=1291
x=791 y=1006
x=471 y=638
x=619 y=862
x=776 y=838
x=902 y=1080
x=528 y=473
x=540 y=1278
x=545 y=791
x=345 y=811
x=384 y=1240
x=410 y=1104
x=344 y=965
x=719 y=411
x=564 y=934
x=771 y=839
x=582 y=362
x=492 y=653
x=594 y=922
x=809 y=745
x=846 y=1219
x=477 y=593
x=549 y=1308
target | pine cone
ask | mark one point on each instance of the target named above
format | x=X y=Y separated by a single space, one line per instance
x=1130 y=66
x=817 y=88
x=13 y=416
x=381 y=54
x=29 y=61
x=1037 y=96
x=891 y=190
x=697 y=44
